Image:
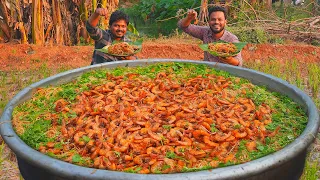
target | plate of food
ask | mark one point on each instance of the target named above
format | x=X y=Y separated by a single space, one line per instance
x=122 y=49
x=223 y=48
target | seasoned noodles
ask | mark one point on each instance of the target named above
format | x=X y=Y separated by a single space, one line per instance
x=122 y=49
x=222 y=48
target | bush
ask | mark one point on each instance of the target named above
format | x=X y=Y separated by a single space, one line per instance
x=256 y=35
x=315 y=42
x=147 y=13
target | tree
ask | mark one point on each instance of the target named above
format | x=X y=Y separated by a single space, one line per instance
x=269 y=4
x=4 y=27
x=52 y=21
x=37 y=22
x=20 y=25
x=57 y=22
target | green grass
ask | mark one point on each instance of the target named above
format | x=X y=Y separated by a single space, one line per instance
x=305 y=77
x=2 y=157
x=10 y=170
x=13 y=81
x=311 y=169
x=314 y=78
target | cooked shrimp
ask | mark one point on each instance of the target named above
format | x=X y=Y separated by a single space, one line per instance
x=172 y=163
x=156 y=90
x=180 y=150
x=157 y=167
x=152 y=150
x=77 y=137
x=222 y=136
x=251 y=146
x=185 y=142
x=198 y=133
x=238 y=134
x=141 y=159
x=144 y=171
x=197 y=153
x=206 y=140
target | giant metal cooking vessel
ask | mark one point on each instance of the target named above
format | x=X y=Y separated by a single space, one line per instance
x=287 y=163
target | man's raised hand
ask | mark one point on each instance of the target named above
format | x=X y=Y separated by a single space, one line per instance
x=192 y=14
x=102 y=11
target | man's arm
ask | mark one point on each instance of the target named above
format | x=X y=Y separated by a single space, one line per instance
x=94 y=18
x=193 y=30
x=230 y=60
x=91 y=25
x=128 y=58
x=191 y=15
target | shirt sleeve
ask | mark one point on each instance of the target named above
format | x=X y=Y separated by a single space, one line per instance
x=94 y=32
x=193 y=30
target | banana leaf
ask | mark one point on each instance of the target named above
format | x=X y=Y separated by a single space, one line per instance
x=137 y=43
x=132 y=29
x=238 y=45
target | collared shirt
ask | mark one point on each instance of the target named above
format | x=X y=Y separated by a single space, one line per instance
x=205 y=34
x=101 y=39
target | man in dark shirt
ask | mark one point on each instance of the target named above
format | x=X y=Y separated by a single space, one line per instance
x=118 y=23
x=214 y=32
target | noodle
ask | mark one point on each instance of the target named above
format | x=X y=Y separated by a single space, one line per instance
x=122 y=49
x=222 y=48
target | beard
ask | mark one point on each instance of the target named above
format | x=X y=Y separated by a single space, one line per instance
x=116 y=34
x=216 y=31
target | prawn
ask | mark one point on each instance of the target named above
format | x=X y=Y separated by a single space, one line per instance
x=154 y=135
x=172 y=163
x=118 y=92
x=156 y=90
x=239 y=135
x=164 y=149
x=144 y=171
x=251 y=146
x=186 y=142
x=197 y=133
x=77 y=137
x=206 y=140
x=152 y=150
x=180 y=150
x=198 y=153
x=64 y=130
x=222 y=136
x=141 y=159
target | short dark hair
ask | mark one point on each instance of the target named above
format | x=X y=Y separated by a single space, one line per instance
x=216 y=9
x=118 y=15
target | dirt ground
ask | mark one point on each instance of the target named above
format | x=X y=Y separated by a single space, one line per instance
x=21 y=57
x=27 y=57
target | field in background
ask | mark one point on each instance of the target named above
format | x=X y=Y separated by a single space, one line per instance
x=295 y=63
